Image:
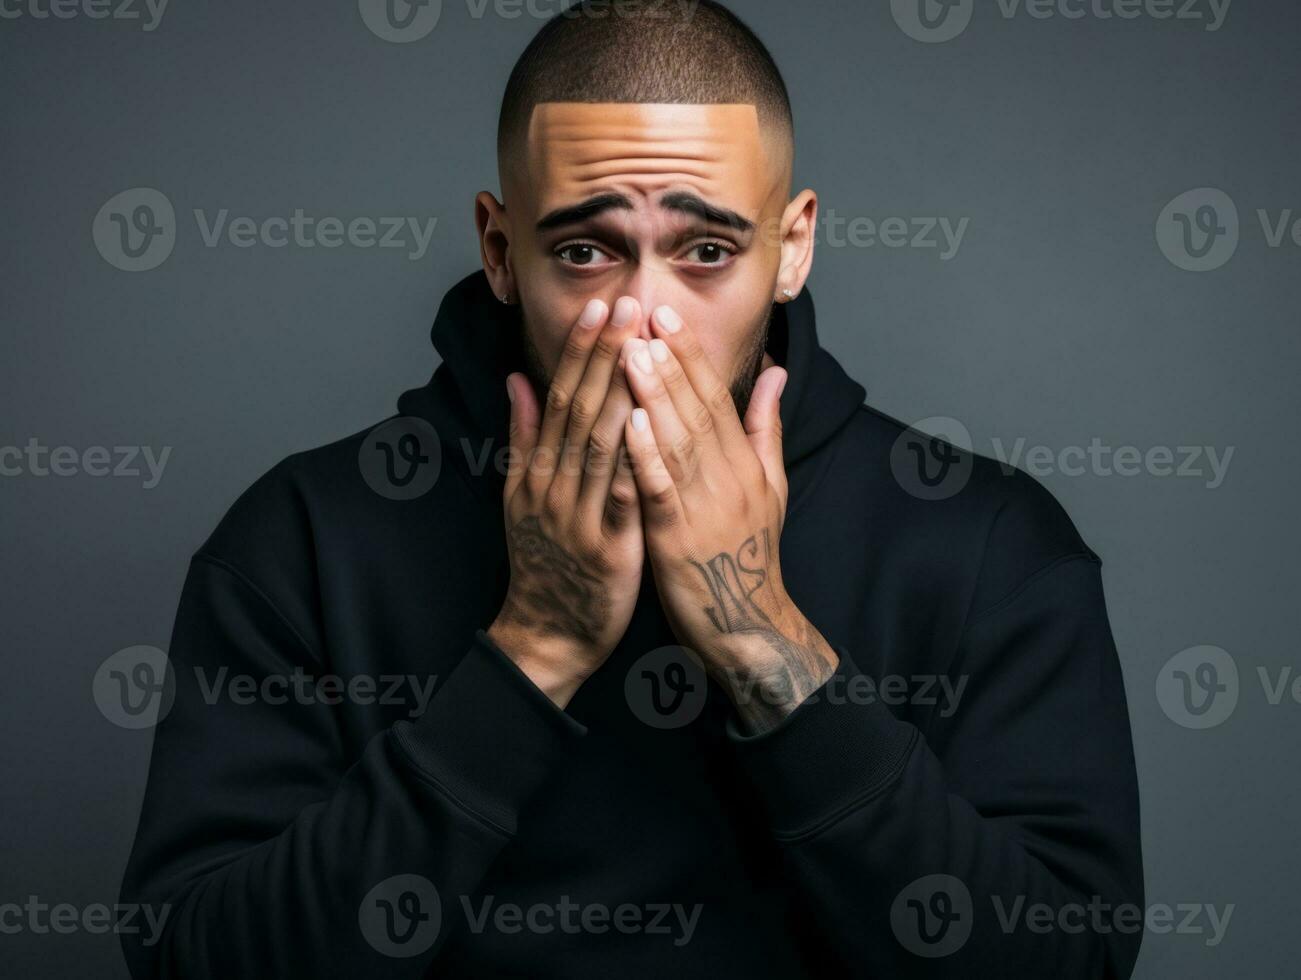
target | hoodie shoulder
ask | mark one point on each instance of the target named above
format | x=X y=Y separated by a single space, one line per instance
x=269 y=538
x=999 y=521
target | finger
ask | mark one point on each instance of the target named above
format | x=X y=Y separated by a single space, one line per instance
x=524 y=418
x=564 y=383
x=660 y=505
x=590 y=398
x=604 y=447
x=710 y=389
x=677 y=446
x=763 y=424
x=623 y=504
x=691 y=410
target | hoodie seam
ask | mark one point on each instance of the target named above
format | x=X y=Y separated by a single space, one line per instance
x=252 y=587
x=1029 y=581
x=859 y=800
x=425 y=776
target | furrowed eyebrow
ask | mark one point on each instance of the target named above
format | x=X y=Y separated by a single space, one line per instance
x=681 y=201
x=689 y=203
x=582 y=212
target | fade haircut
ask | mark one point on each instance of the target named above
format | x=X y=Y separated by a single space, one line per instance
x=647 y=51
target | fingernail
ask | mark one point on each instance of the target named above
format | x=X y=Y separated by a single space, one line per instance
x=640 y=419
x=623 y=310
x=641 y=361
x=593 y=313
x=781 y=385
x=669 y=321
x=659 y=350
x=510 y=390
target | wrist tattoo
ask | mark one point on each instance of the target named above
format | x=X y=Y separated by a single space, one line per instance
x=798 y=666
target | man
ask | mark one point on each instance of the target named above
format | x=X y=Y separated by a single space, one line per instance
x=665 y=625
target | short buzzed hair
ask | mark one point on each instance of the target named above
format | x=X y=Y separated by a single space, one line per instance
x=647 y=51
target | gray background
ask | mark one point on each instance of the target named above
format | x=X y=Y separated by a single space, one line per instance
x=1058 y=321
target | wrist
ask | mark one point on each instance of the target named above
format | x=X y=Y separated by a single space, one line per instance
x=770 y=672
x=552 y=665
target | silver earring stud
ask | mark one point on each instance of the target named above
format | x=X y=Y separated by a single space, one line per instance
x=789 y=294
x=505 y=297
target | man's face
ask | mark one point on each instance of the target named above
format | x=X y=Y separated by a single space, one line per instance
x=669 y=204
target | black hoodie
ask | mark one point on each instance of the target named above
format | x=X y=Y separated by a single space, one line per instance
x=968 y=766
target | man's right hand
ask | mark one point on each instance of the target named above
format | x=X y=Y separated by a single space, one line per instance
x=573 y=526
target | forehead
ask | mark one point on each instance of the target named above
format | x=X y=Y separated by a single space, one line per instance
x=576 y=149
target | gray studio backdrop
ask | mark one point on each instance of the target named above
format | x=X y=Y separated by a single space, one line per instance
x=1067 y=232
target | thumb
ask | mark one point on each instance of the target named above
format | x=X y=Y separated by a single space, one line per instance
x=763 y=425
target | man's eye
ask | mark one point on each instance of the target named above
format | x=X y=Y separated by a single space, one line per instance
x=581 y=253
x=710 y=253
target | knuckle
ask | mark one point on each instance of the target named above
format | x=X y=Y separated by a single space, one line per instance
x=554 y=500
x=663 y=499
x=688 y=347
x=618 y=508
x=683 y=451
x=574 y=348
x=701 y=419
x=581 y=411
x=601 y=444
x=608 y=345
x=557 y=398
x=720 y=399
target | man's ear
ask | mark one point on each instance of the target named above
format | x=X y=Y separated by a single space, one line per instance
x=494 y=244
x=799 y=224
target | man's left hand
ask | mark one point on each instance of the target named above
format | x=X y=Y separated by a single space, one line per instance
x=713 y=492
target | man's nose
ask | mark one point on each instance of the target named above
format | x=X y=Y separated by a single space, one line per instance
x=645 y=285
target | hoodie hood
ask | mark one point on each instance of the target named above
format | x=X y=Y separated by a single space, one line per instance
x=478 y=339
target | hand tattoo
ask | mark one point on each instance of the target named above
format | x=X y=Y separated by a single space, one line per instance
x=799 y=667
x=550 y=590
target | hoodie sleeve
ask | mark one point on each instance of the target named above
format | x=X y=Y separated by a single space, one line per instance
x=272 y=854
x=1001 y=840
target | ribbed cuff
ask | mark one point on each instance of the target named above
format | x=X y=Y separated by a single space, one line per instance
x=489 y=736
x=826 y=757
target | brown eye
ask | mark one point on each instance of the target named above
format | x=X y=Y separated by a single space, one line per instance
x=580 y=254
x=711 y=253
